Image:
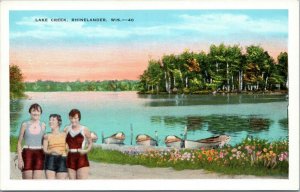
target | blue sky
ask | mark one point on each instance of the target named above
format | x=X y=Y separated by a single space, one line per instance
x=182 y=25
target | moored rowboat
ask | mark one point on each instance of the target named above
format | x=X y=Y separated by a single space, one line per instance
x=146 y=140
x=117 y=138
x=174 y=141
x=211 y=142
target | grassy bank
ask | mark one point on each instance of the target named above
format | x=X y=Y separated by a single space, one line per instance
x=250 y=157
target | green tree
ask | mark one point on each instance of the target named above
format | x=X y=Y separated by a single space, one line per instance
x=144 y=81
x=189 y=66
x=155 y=74
x=168 y=65
x=283 y=66
x=255 y=58
x=234 y=67
x=17 y=86
x=268 y=67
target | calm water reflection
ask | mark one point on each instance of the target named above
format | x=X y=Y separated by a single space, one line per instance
x=16 y=108
x=263 y=116
x=186 y=100
x=217 y=124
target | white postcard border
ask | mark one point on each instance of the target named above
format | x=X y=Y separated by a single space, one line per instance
x=196 y=184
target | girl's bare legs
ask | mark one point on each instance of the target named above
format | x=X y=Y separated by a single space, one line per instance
x=50 y=174
x=27 y=174
x=38 y=174
x=72 y=174
x=83 y=173
x=61 y=175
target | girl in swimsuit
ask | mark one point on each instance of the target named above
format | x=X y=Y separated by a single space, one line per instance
x=55 y=150
x=31 y=157
x=77 y=136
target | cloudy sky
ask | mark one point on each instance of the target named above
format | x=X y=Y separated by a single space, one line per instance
x=69 y=51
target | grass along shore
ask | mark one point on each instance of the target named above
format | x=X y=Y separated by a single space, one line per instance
x=250 y=157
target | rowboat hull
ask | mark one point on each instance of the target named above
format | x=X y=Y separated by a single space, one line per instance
x=149 y=142
x=175 y=144
x=145 y=140
x=197 y=145
x=117 y=138
x=110 y=140
x=173 y=141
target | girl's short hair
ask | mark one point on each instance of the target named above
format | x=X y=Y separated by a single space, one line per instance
x=73 y=112
x=58 y=117
x=36 y=107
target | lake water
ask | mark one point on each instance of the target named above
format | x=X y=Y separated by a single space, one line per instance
x=239 y=116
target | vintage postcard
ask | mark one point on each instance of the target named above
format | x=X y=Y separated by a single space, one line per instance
x=128 y=94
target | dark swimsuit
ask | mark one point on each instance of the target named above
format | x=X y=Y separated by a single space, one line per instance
x=56 y=163
x=33 y=158
x=75 y=160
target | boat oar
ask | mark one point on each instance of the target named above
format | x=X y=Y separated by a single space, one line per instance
x=185 y=133
x=131 y=134
x=102 y=137
x=156 y=138
x=184 y=137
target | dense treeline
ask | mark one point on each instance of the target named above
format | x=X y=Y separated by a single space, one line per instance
x=224 y=68
x=109 y=85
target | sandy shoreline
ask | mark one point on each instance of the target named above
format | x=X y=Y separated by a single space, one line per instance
x=116 y=171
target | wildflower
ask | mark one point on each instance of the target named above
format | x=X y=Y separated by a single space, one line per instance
x=234 y=150
x=283 y=156
x=199 y=156
x=221 y=155
x=249 y=151
x=253 y=147
x=230 y=158
x=258 y=153
x=209 y=159
x=211 y=152
x=265 y=150
x=239 y=147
